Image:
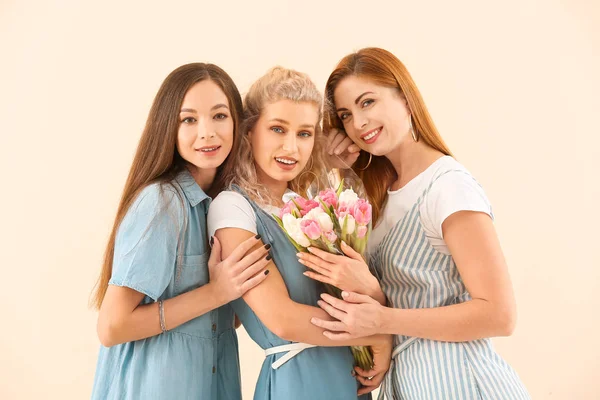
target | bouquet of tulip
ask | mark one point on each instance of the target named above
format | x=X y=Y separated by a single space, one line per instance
x=324 y=222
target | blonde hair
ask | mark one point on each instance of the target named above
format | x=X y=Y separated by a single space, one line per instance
x=277 y=84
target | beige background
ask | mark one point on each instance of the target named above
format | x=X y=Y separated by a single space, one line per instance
x=513 y=86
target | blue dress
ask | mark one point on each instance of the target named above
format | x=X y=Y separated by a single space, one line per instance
x=318 y=373
x=198 y=359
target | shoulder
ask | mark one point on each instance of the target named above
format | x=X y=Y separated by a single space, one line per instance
x=229 y=199
x=156 y=198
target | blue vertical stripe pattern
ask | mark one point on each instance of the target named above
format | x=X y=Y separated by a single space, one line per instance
x=413 y=274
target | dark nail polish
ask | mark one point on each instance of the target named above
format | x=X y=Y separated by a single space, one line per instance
x=267 y=272
x=257 y=237
x=267 y=246
x=269 y=257
x=212 y=240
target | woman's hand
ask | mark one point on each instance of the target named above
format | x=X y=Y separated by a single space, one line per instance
x=349 y=273
x=239 y=272
x=382 y=357
x=341 y=151
x=357 y=316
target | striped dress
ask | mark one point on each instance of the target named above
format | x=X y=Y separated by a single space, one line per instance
x=413 y=274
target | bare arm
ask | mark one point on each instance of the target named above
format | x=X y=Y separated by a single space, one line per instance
x=272 y=304
x=122 y=318
x=474 y=245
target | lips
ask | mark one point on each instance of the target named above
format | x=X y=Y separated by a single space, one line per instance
x=372 y=135
x=208 y=150
x=286 y=163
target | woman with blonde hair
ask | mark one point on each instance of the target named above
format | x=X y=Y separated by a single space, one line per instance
x=280 y=154
x=434 y=248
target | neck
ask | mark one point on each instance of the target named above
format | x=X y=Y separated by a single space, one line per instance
x=204 y=177
x=275 y=188
x=411 y=158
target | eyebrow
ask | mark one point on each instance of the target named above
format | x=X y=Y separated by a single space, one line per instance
x=191 y=110
x=355 y=101
x=283 y=121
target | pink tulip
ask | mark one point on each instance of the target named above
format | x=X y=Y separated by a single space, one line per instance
x=361 y=231
x=331 y=236
x=287 y=209
x=306 y=205
x=310 y=228
x=362 y=212
x=329 y=197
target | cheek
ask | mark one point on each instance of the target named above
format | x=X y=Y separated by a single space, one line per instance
x=306 y=148
x=259 y=145
x=184 y=139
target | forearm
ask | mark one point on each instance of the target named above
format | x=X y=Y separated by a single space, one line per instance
x=293 y=324
x=143 y=322
x=377 y=294
x=471 y=320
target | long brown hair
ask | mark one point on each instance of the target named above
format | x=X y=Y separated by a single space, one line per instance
x=277 y=84
x=157 y=159
x=384 y=69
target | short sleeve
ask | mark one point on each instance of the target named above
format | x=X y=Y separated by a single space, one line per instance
x=230 y=210
x=147 y=240
x=452 y=192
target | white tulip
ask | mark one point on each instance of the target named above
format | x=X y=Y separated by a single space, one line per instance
x=348 y=198
x=317 y=214
x=292 y=227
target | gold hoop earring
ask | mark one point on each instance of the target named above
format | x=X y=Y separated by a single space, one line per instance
x=369 y=163
x=412 y=129
x=312 y=163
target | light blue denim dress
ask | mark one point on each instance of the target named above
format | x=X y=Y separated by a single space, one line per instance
x=196 y=360
x=318 y=373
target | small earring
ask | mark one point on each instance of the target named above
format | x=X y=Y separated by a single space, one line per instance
x=412 y=129
x=369 y=163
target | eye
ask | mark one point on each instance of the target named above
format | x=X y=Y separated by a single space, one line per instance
x=221 y=116
x=188 y=120
x=367 y=102
x=277 y=129
x=343 y=116
x=305 y=134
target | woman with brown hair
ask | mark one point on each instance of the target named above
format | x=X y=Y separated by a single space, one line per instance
x=433 y=248
x=165 y=324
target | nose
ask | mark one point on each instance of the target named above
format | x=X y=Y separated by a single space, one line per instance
x=205 y=129
x=360 y=121
x=289 y=142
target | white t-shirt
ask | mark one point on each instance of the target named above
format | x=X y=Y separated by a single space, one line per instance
x=231 y=210
x=455 y=191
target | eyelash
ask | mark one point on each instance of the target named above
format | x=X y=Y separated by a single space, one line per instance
x=364 y=104
x=191 y=120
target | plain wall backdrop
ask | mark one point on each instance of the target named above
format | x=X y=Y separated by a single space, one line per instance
x=513 y=87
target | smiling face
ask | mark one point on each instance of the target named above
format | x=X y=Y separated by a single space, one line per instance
x=375 y=117
x=283 y=139
x=205 y=134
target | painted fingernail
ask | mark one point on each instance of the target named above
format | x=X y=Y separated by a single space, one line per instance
x=353 y=373
x=257 y=237
x=267 y=246
x=269 y=257
x=267 y=272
